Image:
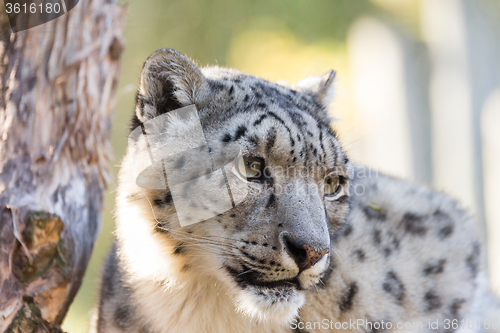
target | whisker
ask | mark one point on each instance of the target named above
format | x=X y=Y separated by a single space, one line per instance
x=245 y=272
x=206 y=241
x=337 y=253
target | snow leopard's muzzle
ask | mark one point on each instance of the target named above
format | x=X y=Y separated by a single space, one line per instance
x=284 y=251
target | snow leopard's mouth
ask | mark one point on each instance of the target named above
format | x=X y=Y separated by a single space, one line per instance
x=276 y=301
x=251 y=279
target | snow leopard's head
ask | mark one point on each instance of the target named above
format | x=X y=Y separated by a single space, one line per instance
x=257 y=162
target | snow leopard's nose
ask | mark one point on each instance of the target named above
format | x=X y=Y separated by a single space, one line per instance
x=304 y=255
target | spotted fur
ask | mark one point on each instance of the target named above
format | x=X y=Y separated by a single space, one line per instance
x=385 y=250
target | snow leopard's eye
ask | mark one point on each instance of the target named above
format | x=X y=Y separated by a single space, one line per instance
x=334 y=187
x=251 y=167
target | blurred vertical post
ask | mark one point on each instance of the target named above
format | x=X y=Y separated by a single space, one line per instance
x=455 y=121
x=491 y=161
x=57 y=82
x=463 y=40
x=388 y=74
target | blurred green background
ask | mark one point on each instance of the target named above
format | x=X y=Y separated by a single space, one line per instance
x=279 y=40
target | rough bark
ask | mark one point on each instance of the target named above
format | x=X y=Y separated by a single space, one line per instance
x=57 y=82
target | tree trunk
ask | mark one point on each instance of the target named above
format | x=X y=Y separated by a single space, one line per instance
x=57 y=82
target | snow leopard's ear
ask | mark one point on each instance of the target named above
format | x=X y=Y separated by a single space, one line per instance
x=169 y=81
x=321 y=87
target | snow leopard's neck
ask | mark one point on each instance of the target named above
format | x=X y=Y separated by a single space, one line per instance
x=201 y=304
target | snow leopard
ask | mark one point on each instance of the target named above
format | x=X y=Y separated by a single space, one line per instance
x=317 y=243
